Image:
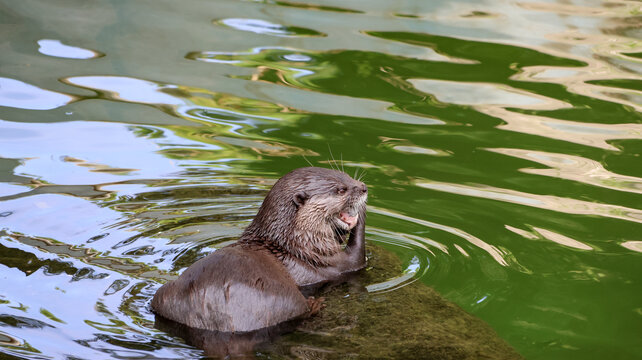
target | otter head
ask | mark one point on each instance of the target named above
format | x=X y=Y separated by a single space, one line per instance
x=326 y=198
x=310 y=210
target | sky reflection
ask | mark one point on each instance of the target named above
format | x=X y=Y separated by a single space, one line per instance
x=18 y=94
x=58 y=49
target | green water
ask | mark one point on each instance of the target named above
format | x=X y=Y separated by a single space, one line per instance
x=500 y=142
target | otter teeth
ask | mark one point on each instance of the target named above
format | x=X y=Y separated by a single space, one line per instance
x=350 y=220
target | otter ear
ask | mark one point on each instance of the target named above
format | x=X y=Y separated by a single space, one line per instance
x=300 y=198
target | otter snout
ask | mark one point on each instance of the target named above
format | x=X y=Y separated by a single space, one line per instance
x=350 y=215
x=359 y=193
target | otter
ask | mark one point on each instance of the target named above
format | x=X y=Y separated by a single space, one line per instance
x=295 y=240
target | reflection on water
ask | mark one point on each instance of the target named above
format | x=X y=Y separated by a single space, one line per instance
x=490 y=249
x=307 y=6
x=590 y=134
x=548 y=202
x=577 y=169
x=58 y=49
x=21 y=95
x=267 y=28
x=500 y=141
x=483 y=94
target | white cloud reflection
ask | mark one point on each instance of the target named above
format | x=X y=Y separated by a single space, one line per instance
x=18 y=94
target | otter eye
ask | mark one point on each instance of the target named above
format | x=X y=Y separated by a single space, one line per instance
x=342 y=190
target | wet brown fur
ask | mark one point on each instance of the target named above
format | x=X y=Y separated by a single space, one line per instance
x=295 y=240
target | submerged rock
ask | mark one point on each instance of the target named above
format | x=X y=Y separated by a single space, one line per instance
x=409 y=322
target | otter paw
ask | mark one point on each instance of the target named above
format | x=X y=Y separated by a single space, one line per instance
x=315 y=305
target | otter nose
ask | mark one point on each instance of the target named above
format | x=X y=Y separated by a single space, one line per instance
x=361 y=188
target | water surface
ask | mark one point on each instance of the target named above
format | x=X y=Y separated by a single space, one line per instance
x=500 y=141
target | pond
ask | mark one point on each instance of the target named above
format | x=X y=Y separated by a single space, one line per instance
x=501 y=142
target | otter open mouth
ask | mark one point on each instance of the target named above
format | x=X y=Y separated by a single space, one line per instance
x=344 y=222
x=348 y=219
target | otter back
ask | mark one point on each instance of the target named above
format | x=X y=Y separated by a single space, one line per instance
x=235 y=289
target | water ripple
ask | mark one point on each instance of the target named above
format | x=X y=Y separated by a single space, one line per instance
x=618 y=9
x=633 y=245
x=416 y=267
x=18 y=94
x=57 y=49
x=493 y=251
x=548 y=202
x=267 y=28
x=575 y=168
x=538 y=233
x=308 y=6
x=486 y=94
x=470 y=117
x=584 y=133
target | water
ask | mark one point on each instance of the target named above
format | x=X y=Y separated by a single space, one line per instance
x=500 y=142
